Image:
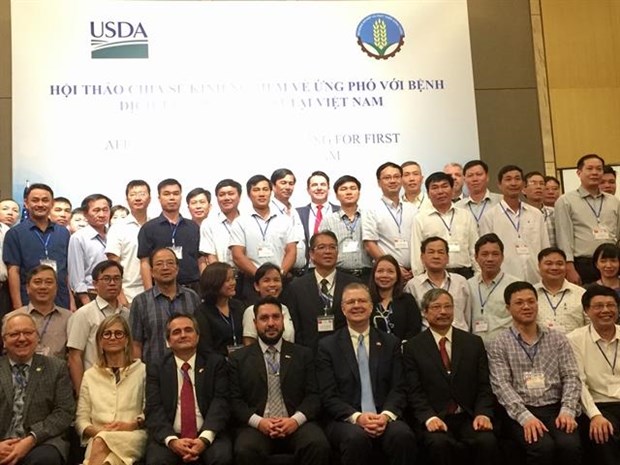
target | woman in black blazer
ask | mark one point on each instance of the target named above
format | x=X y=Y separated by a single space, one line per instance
x=394 y=311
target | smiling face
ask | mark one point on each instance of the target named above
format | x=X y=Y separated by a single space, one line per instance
x=511 y=184
x=269 y=284
x=523 y=307
x=199 y=207
x=385 y=275
x=357 y=307
x=39 y=204
x=228 y=199
x=318 y=189
x=138 y=198
x=20 y=338
x=552 y=268
x=228 y=288
x=260 y=194
x=412 y=179
x=603 y=312
x=42 y=287
x=390 y=181
x=283 y=188
x=182 y=336
x=113 y=339
x=609 y=267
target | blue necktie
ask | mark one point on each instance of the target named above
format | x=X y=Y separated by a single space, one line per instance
x=368 y=402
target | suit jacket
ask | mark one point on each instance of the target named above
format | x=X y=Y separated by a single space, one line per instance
x=211 y=386
x=248 y=382
x=303 y=300
x=49 y=406
x=304 y=215
x=339 y=380
x=406 y=317
x=431 y=387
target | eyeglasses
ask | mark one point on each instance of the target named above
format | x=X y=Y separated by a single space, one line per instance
x=28 y=333
x=599 y=307
x=118 y=334
x=110 y=279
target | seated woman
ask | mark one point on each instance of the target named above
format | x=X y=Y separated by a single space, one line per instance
x=220 y=315
x=393 y=310
x=267 y=281
x=110 y=408
x=606 y=260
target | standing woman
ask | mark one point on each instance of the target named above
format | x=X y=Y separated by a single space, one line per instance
x=220 y=315
x=606 y=260
x=110 y=411
x=393 y=310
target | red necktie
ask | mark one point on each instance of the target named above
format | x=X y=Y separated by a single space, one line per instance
x=188 y=406
x=319 y=218
x=445 y=359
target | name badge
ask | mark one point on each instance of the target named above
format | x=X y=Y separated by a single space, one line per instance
x=522 y=248
x=481 y=326
x=600 y=232
x=178 y=251
x=44 y=350
x=325 y=323
x=454 y=247
x=51 y=263
x=534 y=380
x=350 y=246
x=233 y=348
x=401 y=244
x=265 y=251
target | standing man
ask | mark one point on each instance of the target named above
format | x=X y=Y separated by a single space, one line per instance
x=122 y=244
x=87 y=247
x=595 y=347
x=38 y=407
x=199 y=204
x=584 y=219
x=552 y=191
x=608 y=180
x=534 y=193
x=186 y=408
x=61 y=211
x=535 y=378
x=314 y=300
x=33 y=242
x=480 y=199
x=170 y=229
x=455 y=170
x=521 y=226
x=312 y=214
x=151 y=309
x=386 y=228
x=274 y=396
x=82 y=328
x=455 y=225
x=359 y=370
x=412 y=185
x=449 y=390
x=346 y=224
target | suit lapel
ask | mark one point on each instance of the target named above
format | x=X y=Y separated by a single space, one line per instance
x=200 y=372
x=433 y=350
x=6 y=379
x=258 y=359
x=456 y=352
x=375 y=349
x=346 y=346
x=285 y=360
x=170 y=383
x=34 y=378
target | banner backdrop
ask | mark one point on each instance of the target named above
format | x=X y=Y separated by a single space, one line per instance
x=108 y=91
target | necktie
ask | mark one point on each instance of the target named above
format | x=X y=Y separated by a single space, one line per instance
x=325 y=294
x=20 y=380
x=188 y=406
x=275 y=407
x=368 y=402
x=318 y=218
x=445 y=359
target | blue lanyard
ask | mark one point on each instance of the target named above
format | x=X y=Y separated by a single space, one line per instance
x=350 y=225
x=230 y=321
x=484 y=302
x=525 y=349
x=47 y=319
x=399 y=211
x=432 y=284
x=600 y=208
x=174 y=231
x=448 y=227
x=226 y=226
x=283 y=212
x=554 y=308
x=515 y=226
x=613 y=367
x=263 y=232
x=484 y=205
x=44 y=242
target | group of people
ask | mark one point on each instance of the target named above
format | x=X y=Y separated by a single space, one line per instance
x=427 y=325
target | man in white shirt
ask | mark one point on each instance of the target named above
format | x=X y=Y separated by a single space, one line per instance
x=480 y=199
x=412 y=185
x=596 y=350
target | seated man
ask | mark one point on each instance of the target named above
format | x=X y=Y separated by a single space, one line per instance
x=596 y=349
x=363 y=414
x=274 y=395
x=186 y=408
x=40 y=409
x=452 y=402
x=535 y=378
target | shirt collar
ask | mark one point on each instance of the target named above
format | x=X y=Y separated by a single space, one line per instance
x=438 y=336
x=31 y=309
x=192 y=362
x=565 y=286
x=264 y=347
x=584 y=193
x=355 y=335
x=282 y=208
x=487 y=196
x=50 y=225
x=330 y=278
x=389 y=202
x=596 y=337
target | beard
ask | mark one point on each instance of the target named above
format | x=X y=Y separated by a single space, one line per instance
x=271 y=340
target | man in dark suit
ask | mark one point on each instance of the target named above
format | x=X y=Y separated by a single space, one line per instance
x=360 y=380
x=186 y=407
x=274 y=396
x=314 y=299
x=312 y=215
x=36 y=404
x=449 y=390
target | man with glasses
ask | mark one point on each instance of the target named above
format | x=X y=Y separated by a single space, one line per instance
x=596 y=349
x=40 y=407
x=359 y=370
x=314 y=299
x=82 y=327
x=151 y=309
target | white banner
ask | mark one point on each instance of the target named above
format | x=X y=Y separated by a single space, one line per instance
x=108 y=91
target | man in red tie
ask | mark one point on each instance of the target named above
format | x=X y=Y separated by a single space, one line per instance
x=186 y=407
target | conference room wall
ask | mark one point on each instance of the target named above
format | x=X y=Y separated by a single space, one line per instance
x=504 y=79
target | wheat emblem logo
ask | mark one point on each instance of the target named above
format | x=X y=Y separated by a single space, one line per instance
x=380 y=36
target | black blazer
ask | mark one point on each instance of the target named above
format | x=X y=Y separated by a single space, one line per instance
x=429 y=385
x=339 y=380
x=302 y=297
x=248 y=382
x=211 y=386
x=304 y=215
x=406 y=317
x=215 y=333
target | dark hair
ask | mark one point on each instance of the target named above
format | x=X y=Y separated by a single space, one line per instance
x=388 y=164
x=93 y=198
x=432 y=295
x=596 y=290
x=159 y=249
x=398 y=286
x=39 y=269
x=552 y=179
x=474 y=163
x=531 y=174
x=317 y=173
x=548 y=251
x=410 y=163
x=608 y=169
x=212 y=279
x=515 y=287
x=346 y=178
x=104 y=265
x=116 y=208
x=63 y=200
x=254 y=180
x=428 y=240
x=228 y=183
x=438 y=176
x=38 y=185
x=605 y=251
x=507 y=169
x=176 y=316
x=196 y=192
x=262 y=270
x=327 y=233
x=168 y=182
x=589 y=156
x=281 y=173
x=137 y=183
x=490 y=238
x=267 y=300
